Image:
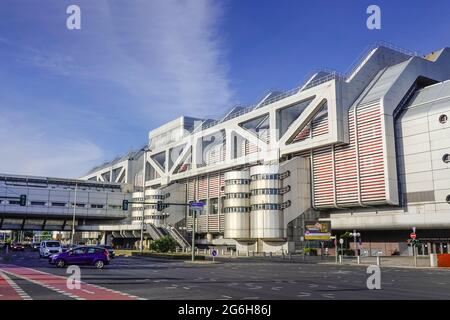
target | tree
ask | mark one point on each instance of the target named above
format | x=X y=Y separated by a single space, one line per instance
x=163 y=244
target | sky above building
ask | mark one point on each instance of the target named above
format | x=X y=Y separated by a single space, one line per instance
x=71 y=99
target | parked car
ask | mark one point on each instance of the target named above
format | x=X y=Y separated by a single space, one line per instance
x=96 y=256
x=35 y=246
x=17 y=247
x=110 y=249
x=48 y=248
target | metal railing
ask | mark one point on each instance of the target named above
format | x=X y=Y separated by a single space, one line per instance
x=307 y=84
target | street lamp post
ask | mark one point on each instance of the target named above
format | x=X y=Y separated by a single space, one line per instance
x=143 y=195
x=355 y=235
x=193 y=235
x=74 y=212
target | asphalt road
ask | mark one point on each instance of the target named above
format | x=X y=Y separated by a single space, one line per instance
x=27 y=276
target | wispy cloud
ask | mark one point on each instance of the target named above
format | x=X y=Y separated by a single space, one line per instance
x=132 y=66
x=28 y=149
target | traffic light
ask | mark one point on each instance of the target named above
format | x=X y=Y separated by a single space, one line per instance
x=415 y=243
x=125 y=205
x=159 y=206
x=23 y=200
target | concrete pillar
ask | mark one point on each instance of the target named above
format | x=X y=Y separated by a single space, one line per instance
x=378 y=260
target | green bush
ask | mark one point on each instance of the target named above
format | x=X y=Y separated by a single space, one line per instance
x=310 y=251
x=163 y=244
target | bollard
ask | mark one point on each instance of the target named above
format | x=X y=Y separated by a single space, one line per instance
x=264 y=254
x=253 y=253
x=196 y=250
x=378 y=261
x=358 y=259
x=340 y=258
x=221 y=252
x=248 y=253
x=176 y=249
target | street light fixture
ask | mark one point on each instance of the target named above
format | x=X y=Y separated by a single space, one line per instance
x=145 y=150
x=355 y=235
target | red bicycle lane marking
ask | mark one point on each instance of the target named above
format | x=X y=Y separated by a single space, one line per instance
x=7 y=292
x=59 y=284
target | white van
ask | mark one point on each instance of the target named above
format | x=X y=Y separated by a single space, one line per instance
x=49 y=247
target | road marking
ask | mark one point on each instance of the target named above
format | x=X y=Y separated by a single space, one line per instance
x=59 y=284
x=277 y=288
x=10 y=290
x=304 y=294
x=328 y=295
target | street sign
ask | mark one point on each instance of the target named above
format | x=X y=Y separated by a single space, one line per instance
x=341 y=241
x=196 y=205
x=413 y=236
x=214 y=253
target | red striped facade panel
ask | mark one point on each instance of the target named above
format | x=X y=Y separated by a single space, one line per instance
x=317 y=127
x=356 y=176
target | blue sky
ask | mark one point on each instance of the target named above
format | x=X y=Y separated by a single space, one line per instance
x=71 y=99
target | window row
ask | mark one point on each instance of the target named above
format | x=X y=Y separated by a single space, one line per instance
x=265 y=176
x=57 y=204
x=240 y=195
x=257 y=192
x=236 y=181
x=236 y=209
x=266 y=206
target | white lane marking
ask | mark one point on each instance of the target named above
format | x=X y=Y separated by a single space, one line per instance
x=304 y=294
x=16 y=288
x=328 y=295
x=276 y=288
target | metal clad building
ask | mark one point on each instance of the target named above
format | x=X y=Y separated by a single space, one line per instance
x=366 y=150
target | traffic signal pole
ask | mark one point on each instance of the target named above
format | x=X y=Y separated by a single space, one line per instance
x=194 y=213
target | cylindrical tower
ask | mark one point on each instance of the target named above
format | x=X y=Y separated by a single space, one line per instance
x=237 y=204
x=136 y=209
x=266 y=217
x=151 y=215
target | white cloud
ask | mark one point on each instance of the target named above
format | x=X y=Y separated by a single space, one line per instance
x=27 y=149
x=140 y=62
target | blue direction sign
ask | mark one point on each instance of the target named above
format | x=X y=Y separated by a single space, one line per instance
x=197 y=205
x=214 y=253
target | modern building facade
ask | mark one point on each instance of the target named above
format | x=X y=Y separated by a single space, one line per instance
x=367 y=150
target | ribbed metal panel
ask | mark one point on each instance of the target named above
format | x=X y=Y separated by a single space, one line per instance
x=356 y=176
x=202 y=192
x=214 y=185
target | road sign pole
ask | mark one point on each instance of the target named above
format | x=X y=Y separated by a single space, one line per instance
x=193 y=235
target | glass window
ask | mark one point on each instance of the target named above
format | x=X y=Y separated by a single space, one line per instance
x=214 y=206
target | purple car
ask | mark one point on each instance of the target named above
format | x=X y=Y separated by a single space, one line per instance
x=95 y=256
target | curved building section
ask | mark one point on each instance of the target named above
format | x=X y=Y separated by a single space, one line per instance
x=237 y=205
x=151 y=215
x=266 y=217
x=136 y=209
